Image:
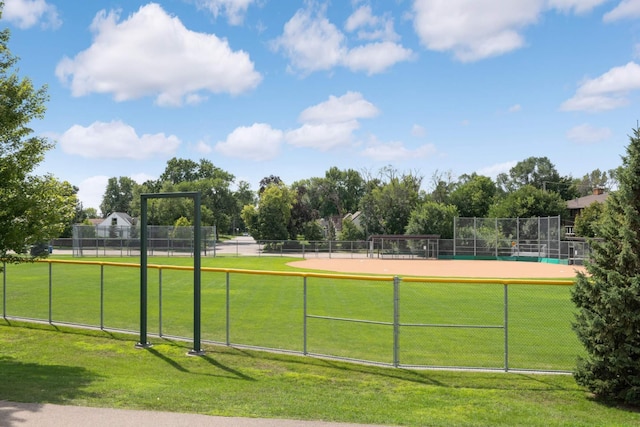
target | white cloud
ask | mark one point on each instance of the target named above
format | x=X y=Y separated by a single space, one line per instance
x=313 y=43
x=515 y=108
x=203 y=148
x=91 y=190
x=374 y=58
x=233 y=9
x=627 y=9
x=153 y=54
x=418 y=131
x=478 y=29
x=577 y=6
x=494 y=170
x=27 y=13
x=607 y=92
x=331 y=123
x=257 y=142
x=142 y=177
x=350 y=106
x=370 y=27
x=396 y=151
x=587 y=134
x=116 y=140
x=323 y=136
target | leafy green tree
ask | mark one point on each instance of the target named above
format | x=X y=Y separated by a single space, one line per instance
x=242 y=196
x=586 y=224
x=301 y=212
x=33 y=208
x=185 y=170
x=312 y=231
x=386 y=206
x=89 y=213
x=442 y=186
x=350 y=231
x=473 y=195
x=118 y=196
x=181 y=229
x=267 y=181
x=540 y=173
x=269 y=220
x=337 y=193
x=79 y=216
x=88 y=229
x=608 y=299
x=527 y=202
x=594 y=179
x=433 y=218
x=220 y=205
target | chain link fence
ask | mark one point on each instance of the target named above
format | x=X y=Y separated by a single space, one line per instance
x=402 y=322
x=119 y=240
x=478 y=238
x=537 y=237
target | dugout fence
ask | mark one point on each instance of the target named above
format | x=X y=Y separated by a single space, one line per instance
x=489 y=324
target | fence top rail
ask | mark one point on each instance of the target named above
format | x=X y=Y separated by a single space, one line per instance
x=230 y=270
x=484 y=281
x=381 y=278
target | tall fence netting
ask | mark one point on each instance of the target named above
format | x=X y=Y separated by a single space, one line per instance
x=537 y=237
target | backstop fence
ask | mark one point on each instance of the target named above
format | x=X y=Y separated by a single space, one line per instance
x=537 y=237
x=489 y=324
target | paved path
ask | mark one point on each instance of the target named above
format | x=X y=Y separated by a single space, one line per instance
x=47 y=415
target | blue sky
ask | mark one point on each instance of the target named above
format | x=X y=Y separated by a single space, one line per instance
x=292 y=88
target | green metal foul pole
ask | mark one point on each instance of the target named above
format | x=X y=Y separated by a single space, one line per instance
x=197 y=301
x=197 y=264
x=143 y=343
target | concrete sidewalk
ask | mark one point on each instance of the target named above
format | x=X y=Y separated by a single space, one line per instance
x=48 y=415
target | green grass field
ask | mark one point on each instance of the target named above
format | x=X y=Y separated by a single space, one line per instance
x=69 y=366
x=268 y=311
x=57 y=364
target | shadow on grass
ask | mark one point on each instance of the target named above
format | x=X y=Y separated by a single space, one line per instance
x=237 y=374
x=445 y=379
x=479 y=380
x=31 y=382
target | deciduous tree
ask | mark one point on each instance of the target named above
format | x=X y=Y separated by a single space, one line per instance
x=473 y=195
x=528 y=201
x=269 y=220
x=118 y=196
x=433 y=218
x=33 y=208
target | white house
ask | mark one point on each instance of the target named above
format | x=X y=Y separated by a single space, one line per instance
x=355 y=218
x=118 y=223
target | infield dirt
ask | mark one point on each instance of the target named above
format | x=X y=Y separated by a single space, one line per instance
x=443 y=268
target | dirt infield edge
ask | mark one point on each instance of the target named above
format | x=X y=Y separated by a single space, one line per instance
x=443 y=268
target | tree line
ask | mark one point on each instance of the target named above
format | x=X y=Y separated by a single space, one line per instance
x=388 y=201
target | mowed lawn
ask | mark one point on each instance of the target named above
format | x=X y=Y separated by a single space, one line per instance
x=57 y=364
x=442 y=324
x=53 y=364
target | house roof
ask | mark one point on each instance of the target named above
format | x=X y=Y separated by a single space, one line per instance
x=125 y=216
x=583 y=202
